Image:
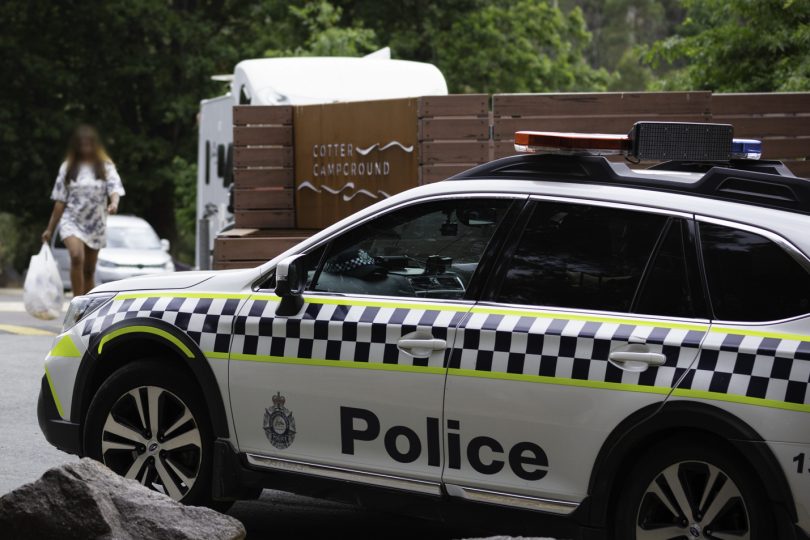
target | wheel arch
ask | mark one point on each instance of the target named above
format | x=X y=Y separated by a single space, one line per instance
x=131 y=337
x=661 y=421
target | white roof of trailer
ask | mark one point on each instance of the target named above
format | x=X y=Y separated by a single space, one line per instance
x=311 y=80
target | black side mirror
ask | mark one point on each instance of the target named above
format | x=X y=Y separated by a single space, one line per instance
x=291 y=279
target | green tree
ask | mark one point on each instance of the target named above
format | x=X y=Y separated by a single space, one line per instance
x=518 y=46
x=739 y=46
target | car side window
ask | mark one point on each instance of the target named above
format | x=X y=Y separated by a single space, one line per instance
x=750 y=277
x=580 y=256
x=671 y=285
x=430 y=250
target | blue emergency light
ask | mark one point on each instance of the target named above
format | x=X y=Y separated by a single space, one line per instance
x=746 y=149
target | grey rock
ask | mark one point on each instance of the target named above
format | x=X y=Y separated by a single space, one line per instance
x=86 y=500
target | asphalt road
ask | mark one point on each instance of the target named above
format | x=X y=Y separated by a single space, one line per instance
x=25 y=455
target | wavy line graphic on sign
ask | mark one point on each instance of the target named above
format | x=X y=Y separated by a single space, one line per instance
x=338 y=191
x=367 y=151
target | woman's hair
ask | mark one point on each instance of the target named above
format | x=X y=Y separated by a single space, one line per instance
x=98 y=159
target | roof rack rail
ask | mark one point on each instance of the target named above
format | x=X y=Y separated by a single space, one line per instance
x=760 y=165
x=766 y=183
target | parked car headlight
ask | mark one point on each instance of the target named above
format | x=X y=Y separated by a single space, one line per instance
x=82 y=306
x=107 y=264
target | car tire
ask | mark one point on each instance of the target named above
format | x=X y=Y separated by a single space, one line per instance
x=176 y=456
x=721 y=492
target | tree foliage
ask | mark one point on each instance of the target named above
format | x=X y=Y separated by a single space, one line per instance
x=138 y=70
x=739 y=46
x=517 y=46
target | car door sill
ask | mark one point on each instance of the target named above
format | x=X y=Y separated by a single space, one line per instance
x=508 y=499
x=351 y=475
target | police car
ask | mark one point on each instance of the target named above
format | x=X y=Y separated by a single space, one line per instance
x=551 y=342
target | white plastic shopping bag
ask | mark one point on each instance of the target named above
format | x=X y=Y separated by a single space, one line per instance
x=42 y=292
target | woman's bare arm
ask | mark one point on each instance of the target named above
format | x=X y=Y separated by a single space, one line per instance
x=112 y=208
x=56 y=215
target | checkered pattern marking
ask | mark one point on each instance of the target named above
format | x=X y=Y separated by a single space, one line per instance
x=729 y=364
x=346 y=333
x=207 y=321
x=754 y=367
x=569 y=349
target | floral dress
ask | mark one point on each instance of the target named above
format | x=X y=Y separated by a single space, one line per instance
x=85 y=199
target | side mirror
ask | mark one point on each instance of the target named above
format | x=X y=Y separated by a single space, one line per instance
x=165 y=245
x=291 y=279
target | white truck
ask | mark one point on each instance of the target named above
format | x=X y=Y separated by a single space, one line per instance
x=289 y=81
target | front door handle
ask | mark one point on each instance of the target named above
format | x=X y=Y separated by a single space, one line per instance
x=421 y=346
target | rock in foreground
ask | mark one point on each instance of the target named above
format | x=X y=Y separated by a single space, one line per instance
x=86 y=500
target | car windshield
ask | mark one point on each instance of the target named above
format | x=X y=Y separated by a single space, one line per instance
x=132 y=238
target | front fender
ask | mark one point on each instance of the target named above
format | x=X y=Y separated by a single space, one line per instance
x=139 y=330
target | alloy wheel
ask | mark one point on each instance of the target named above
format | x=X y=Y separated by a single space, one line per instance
x=151 y=436
x=692 y=500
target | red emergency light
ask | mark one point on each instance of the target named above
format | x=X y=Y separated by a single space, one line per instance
x=602 y=144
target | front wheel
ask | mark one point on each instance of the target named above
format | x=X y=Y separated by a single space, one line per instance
x=692 y=491
x=148 y=422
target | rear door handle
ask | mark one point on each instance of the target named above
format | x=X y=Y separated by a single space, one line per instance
x=635 y=357
x=421 y=347
x=649 y=358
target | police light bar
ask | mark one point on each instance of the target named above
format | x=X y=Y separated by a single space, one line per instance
x=647 y=141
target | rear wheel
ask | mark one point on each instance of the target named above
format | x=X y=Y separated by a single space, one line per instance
x=148 y=422
x=691 y=491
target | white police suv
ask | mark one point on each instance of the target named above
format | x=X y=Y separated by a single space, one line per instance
x=551 y=342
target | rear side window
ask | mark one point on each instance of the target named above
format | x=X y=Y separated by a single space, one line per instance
x=750 y=277
x=671 y=286
x=580 y=256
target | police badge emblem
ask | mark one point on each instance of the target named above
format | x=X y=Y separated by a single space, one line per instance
x=279 y=424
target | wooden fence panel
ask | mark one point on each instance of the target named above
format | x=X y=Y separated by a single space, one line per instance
x=760 y=103
x=601 y=104
x=454 y=134
x=457 y=132
x=261 y=198
x=244 y=115
x=590 y=112
x=780 y=120
x=263 y=166
x=263 y=178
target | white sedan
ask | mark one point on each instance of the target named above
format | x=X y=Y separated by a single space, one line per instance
x=133 y=249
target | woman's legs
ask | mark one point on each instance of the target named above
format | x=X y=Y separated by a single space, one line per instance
x=89 y=274
x=76 y=250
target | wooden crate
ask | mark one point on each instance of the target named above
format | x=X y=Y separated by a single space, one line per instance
x=247 y=248
x=263 y=167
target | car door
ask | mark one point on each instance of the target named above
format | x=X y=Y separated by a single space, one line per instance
x=595 y=312
x=352 y=385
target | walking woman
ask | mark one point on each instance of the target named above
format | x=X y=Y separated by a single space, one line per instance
x=87 y=189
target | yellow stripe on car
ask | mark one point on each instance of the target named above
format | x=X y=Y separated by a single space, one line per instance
x=145 y=330
x=54 y=394
x=65 y=347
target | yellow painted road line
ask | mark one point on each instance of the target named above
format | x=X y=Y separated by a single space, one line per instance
x=25 y=330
